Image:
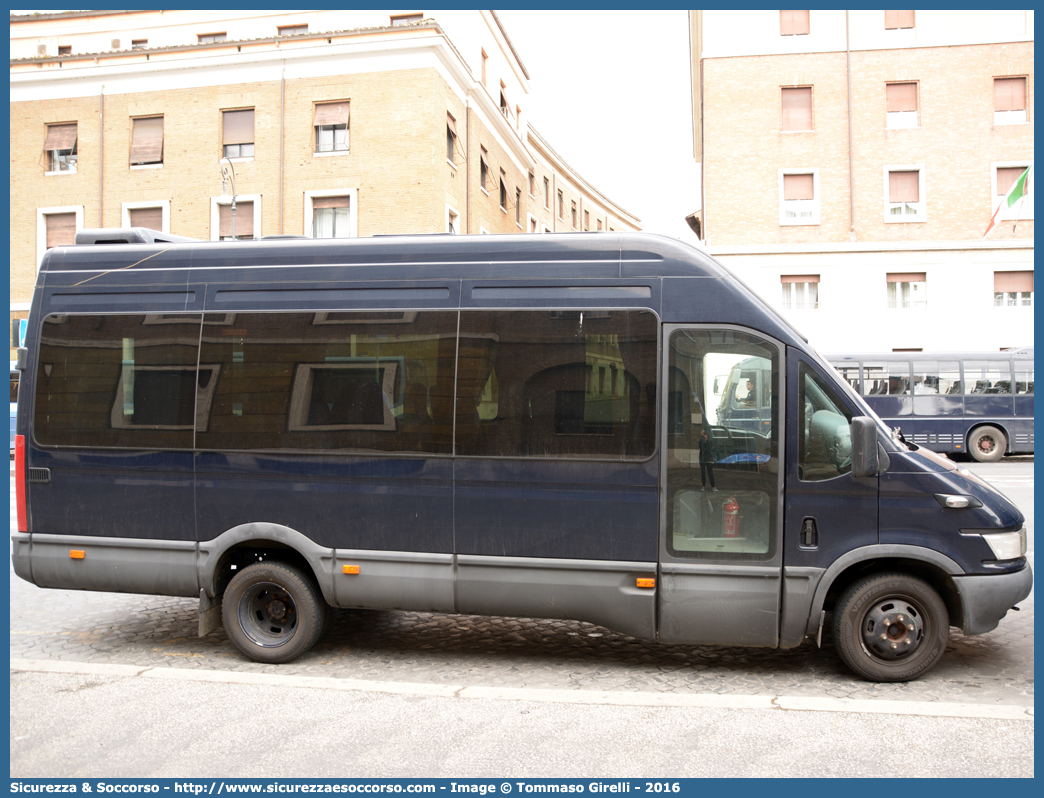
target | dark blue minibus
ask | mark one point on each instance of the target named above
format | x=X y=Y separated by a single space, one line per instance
x=980 y=403
x=497 y=425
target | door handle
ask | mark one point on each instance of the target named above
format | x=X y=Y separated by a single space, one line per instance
x=809 y=534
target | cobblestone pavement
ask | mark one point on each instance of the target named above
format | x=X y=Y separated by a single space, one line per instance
x=148 y=631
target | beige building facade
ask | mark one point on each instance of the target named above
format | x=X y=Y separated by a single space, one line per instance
x=851 y=162
x=321 y=123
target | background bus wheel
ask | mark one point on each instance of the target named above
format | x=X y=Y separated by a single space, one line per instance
x=987 y=444
x=890 y=627
x=273 y=612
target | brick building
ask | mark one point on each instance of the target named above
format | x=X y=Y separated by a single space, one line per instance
x=333 y=123
x=851 y=162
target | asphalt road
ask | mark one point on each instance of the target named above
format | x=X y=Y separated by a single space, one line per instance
x=107 y=684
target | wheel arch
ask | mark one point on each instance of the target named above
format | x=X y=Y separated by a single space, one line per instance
x=221 y=557
x=933 y=567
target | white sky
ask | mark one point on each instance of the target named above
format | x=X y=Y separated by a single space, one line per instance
x=610 y=91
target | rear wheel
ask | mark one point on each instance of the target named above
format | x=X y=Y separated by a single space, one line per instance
x=273 y=612
x=987 y=444
x=890 y=627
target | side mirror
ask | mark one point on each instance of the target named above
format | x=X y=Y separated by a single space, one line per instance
x=868 y=459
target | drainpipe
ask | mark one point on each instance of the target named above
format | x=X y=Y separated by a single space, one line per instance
x=467 y=163
x=101 y=159
x=282 y=142
x=851 y=175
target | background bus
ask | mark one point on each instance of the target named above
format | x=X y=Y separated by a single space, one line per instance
x=975 y=402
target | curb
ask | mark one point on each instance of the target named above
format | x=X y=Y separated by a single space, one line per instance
x=591 y=697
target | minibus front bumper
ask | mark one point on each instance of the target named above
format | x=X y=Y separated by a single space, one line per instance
x=986 y=599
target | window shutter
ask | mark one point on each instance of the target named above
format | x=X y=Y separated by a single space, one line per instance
x=898 y=19
x=60 y=137
x=1006 y=177
x=147 y=140
x=239 y=127
x=793 y=23
x=1009 y=94
x=798 y=187
x=901 y=96
x=1012 y=282
x=903 y=187
x=799 y=278
x=907 y=277
x=451 y=124
x=330 y=202
x=244 y=219
x=151 y=218
x=61 y=229
x=797 y=109
x=330 y=114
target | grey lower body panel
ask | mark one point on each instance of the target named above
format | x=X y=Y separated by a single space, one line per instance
x=799 y=587
x=113 y=565
x=596 y=591
x=986 y=599
x=393 y=580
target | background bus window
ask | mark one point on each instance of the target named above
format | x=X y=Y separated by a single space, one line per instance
x=119 y=381
x=346 y=382
x=722 y=445
x=932 y=378
x=1023 y=376
x=850 y=373
x=984 y=376
x=886 y=379
x=557 y=384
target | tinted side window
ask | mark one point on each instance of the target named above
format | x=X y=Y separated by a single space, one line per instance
x=118 y=381
x=824 y=437
x=557 y=384
x=349 y=382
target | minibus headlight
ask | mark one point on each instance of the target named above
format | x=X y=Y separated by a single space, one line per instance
x=1007 y=545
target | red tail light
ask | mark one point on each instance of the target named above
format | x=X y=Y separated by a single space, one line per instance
x=23 y=526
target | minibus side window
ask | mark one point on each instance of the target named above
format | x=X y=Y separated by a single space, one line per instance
x=345 y=382
x=557 y=384
x=722 y=449
x=825 y=439
x=118 y=381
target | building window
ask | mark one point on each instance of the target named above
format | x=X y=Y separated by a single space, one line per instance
x=243 y=228
x=147 y=141
x=485 y=67
x=518 y=206
x=1009 y=101
x=561 y=206
x=56 y=227
x=1013 y=289
x=904 y=194
x=798 y=196
x=60 y=146
x=532 y=184
x=451 y=137
x=895 y=20
x=503 y=191
x=139 y=44
x=547 y=194
x=1004 y=177
x=800 y=291
x=452 y=221
x=793 y=23
x=331 y=126
x=796 y=106
x=534 y=224
x=238 y=133
x=573 y=203
x=405 y=19
x=208 y=38
x=599 y=222
x=331 y=217
x=484 y=169
x=65 y=49
x=907 y=290
x=587 y=220
x=152 y=218
x=901 y=105
x=292 y=30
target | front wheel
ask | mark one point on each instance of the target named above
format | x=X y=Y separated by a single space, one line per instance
x=273 y=612
x=890 y=627
x=987 y=444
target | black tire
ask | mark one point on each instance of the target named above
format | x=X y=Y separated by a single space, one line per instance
x=273 y=612
x=987 y=444
x=906 y=611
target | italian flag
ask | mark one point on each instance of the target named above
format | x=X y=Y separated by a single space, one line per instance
x=1015 y=193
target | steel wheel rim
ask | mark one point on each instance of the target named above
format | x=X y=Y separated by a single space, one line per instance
x=893 y=629
x=986 y=444
x=268 y=615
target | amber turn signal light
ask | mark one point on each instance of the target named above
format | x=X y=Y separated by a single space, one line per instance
x=351 y=569
x=645 y=582
x=77 y=554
